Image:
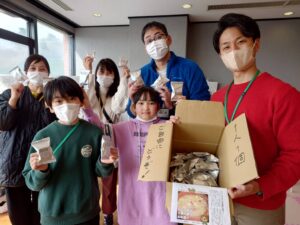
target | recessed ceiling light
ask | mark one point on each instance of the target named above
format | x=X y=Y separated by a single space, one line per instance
x=97 y=14
x=288 y=13
x=186 y=6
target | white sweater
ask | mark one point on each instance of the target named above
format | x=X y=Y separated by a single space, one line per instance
x=114 y=106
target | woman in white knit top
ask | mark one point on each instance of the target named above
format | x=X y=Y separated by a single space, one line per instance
x=107 y=93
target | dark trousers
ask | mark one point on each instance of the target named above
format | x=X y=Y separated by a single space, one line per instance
x=94 y=221
x=22 y=206
x=109 y=193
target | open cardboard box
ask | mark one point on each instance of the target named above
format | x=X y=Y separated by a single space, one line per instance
x=202 y=128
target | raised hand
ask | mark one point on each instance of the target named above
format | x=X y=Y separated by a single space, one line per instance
x=88 y=62
x=16 y=91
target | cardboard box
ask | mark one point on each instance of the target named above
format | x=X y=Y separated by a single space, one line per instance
x=202 y=128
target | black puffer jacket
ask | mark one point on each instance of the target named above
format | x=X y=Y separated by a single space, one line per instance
x=17 y=129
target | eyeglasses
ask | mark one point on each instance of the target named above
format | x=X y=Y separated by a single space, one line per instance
x=156 y=37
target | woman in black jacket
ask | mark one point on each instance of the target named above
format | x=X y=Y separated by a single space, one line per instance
x=22 y=114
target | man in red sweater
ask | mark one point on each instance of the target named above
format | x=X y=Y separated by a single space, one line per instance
x=272 y=108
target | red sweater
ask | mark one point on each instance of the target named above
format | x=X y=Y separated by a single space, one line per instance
x=272 y=108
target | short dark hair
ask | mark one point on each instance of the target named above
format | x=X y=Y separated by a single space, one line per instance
x=247 y=26
x=66 y=86
x=155 y=24
x=110 y=66
x=143 y=91
x=35 y=58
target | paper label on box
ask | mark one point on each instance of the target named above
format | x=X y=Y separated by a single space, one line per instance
x=157 y=155
x=163 y=113
x=236 y=154
x=195 y=204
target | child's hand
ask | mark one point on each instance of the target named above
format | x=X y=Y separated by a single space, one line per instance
x=125 y=71
x=179 y=98
x=112 y=157
x=174 y=119
x=34 y=162
x=132 y=89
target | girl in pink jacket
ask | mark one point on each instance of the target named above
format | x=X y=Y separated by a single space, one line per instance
x=139 y=203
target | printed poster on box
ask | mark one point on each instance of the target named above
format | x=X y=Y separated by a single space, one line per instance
x=195 y=204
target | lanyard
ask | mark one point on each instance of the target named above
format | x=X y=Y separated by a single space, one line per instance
x=240 y=98
x=65 y=138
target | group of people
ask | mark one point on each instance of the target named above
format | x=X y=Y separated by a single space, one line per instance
x=67 y=191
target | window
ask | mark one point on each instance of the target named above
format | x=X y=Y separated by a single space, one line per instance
x=22 y=34
x=15 y=43
x=13 y=23
x=12 y=54
x=54 y=44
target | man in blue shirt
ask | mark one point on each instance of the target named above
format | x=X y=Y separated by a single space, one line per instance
x=165 y=63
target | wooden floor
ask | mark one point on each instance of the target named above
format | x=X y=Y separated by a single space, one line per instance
x=4 y=220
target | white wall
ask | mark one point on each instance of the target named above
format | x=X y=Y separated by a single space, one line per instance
x=107 y=42
x=125 y=41
x=279 y=53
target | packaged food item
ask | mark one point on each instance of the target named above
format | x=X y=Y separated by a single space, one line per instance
x=44 y=150
x=91 y=54
x=177 y=87
x=195 y=168
x=136 y=77
x=18 y=74
x=122 y=62
x=107 y=141
x=160 y=82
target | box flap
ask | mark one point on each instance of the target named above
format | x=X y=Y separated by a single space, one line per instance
x=157 y=153
x=237 y=163
x=202 y=123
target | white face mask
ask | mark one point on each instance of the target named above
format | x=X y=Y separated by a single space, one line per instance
x=238 y=59
x=36 y=77
x=157 y=49
x=67 y=113
x=142 y=120
x=105 y=81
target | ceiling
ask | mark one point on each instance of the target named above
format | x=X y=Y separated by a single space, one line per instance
x=116 y=12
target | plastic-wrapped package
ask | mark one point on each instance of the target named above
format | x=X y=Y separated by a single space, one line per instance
x=195 y=168
x=177 y=87
x=160 y=82
x=107 y=141
x=18 y=75
x=44 y=150
x=136 y=77
x=122 y=62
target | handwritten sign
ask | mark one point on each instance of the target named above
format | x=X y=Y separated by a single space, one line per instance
x=156 y=156
x=240 y=155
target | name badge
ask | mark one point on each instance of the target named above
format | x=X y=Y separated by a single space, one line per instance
x=163 y=113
